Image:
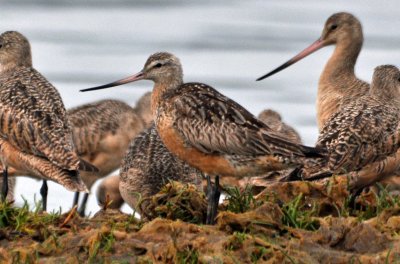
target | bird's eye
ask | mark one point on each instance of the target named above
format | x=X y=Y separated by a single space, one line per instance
x=158 y=65
x=333 y=27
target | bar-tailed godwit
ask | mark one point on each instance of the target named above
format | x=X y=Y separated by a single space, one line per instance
x=208 y=130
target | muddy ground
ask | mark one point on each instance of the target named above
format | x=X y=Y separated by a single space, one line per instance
x=296 y=222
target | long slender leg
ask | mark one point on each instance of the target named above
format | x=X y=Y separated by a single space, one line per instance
x=43 y=192
x=353 y=196
x=4 y=190
x=213 y=194
x=76 y=199
x=82 y=209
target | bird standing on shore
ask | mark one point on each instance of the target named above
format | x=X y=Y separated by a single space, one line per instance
x=339 y=86
x=210 y=131
x=35 y=135
x=102 y=132
x=364 y=131
x=148 y=166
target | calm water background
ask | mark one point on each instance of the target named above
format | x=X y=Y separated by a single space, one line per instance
x=78 y=44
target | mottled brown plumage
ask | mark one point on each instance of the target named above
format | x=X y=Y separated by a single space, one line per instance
x=208 y=130
x=102 y=132
x=338 y=84
x=365 y=130
x=212 y=132
x=274 y=120
x=148 y=166
x=36 y=167
x=33 y=121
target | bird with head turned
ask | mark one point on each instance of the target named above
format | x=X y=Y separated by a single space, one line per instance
x=274 y=120
x=101 y=133
x=15 y=51
x=148 y=166
x=35 y=135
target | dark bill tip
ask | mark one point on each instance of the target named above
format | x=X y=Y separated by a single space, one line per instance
x=283 y=66
x=310 y=49
x=129 y=79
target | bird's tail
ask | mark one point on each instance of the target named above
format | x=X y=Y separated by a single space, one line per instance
x=313 y=152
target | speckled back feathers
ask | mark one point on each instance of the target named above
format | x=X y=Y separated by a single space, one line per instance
x=148 y=165
x=214 y=123
x=33 y=117
x=366 y=130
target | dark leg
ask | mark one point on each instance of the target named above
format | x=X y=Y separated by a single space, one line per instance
x=353 y=196
x=213 y=194
x=76 y=199
x=43 y=192
x=4 y=191
x=82 y=209
x=295 y=175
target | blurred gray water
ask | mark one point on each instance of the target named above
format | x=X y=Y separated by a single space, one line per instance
x=226 y=44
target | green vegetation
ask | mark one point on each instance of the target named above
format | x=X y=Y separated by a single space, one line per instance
x=236 y=241
x=240 y=201
x=282 y=226
x=258 y=253
x=383 y=201
x=25 y=219
x=297 y=216
x=104 y=243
